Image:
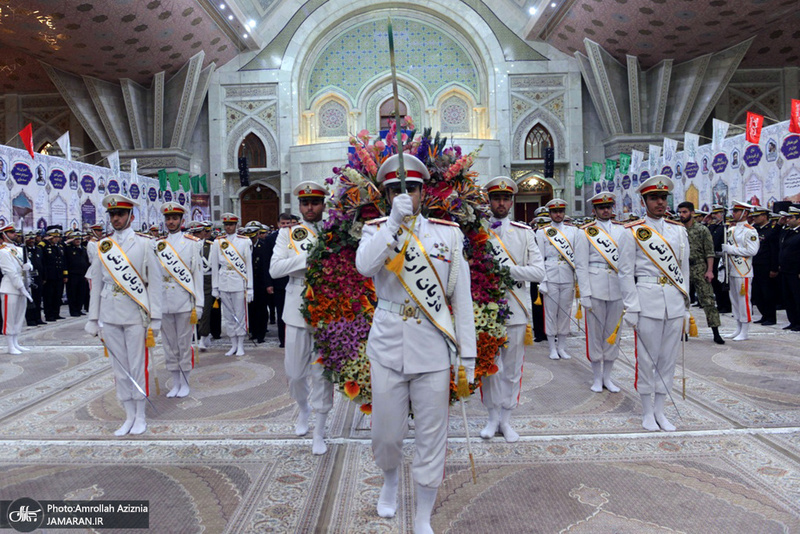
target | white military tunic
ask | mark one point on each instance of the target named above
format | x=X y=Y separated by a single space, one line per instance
x=299 y=356
x=661 y=305
x=410 y=361
x=231 y=285
x=177 y=304
x=598 y=279
x=745 y=243
x=501 y=390
x=122 y=321
x=559 y=280
x=11 y=289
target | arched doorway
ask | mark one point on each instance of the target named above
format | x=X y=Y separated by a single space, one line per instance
x=259 y=203
x=534 y=192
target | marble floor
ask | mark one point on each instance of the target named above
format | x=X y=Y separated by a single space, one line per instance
x=225 y=458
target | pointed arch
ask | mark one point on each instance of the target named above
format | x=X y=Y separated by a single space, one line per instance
x=237 y=136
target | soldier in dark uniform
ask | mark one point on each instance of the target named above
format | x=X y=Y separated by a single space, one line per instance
x=717 y=229
x=76 y=262
x=203 y=231
x=258 y=309
x=537 y=310
x=33 y=314
x=765 y=267
x=54 y=273
x=789 y=265
x=277 y=286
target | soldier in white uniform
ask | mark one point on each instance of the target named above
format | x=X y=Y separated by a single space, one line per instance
x=96 y=233
x=180 y=257
x=514 y=246
x=289 y=259
x=13 y=290
x=232 y=280
x=125 y=301
x=410 y=356
x=654 y=279
x=556 y=242
x=740 y=245
x=597 y=265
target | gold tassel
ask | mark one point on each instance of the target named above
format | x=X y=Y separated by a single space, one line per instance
x=612 y=339
x=463 y=386
x=216 y=304
x=538 y=299
x=528 y=334
x=692 y=327
x=579 y=314
x=193 y=316
x=742 y=291
x=105 y=349
x=150 y=342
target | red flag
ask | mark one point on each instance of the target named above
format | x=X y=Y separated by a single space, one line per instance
x=26 y=134
x=753 y=130
x=794 y=120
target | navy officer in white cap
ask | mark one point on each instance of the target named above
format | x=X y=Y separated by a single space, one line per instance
x=125 y=302
x=289 y=258
x=654 y=279
x=741 y=244
x=514 y=245
x=418 y=267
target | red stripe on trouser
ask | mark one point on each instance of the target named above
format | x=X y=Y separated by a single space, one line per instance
x=246 y=318
x=146 y=373
x=192 y=356
x=586 y=331
x=636 y=357
x=520 y=381
x=5 y=314
x=747 y=299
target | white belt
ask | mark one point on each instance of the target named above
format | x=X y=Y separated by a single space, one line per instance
x=297 y=281
x=554 y=259
x=407 y=311
x=662 y=280
x=600 y=264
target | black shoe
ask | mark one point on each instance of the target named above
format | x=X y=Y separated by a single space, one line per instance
x=788 y=327
x=768 y=323
x=539 y=339
x=718 y=340
x=59 y=318
x=281 y=345
x=759 y=321
x=41 y=322
x=32 y=323
x=796 y=328
x=260 y=340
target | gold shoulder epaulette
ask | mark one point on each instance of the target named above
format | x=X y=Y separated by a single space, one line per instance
x=749 y=226
x=189 y=236
x=520 y=225
x=673 y=222
x=587 y=225
x=373 y=222
x=637 y=222
x=442 y=221
x=617 y=222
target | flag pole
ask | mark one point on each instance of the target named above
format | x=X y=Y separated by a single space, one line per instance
x=401 y=171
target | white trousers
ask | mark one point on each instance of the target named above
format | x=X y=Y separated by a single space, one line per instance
x=234 y=312
x=126 y=350
x=662 y=337
x=740 y=304
x=501 y=390
x=306 y=383
x=176 y=337
x=429 y=395
x=557 y=308
x=13 y=314
x=600 y=323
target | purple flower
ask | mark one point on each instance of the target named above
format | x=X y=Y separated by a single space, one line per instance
x=496 y=224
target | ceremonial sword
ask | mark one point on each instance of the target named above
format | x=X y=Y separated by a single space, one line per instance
x=127 y=374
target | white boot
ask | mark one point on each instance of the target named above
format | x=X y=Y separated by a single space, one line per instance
x=562 y=349
x=610 y=386
x=184 y=381
x=130 y=414
x=202 y=344
x=19 y=347
x=744 y=330
x=597 y=373
x=426 y=497
x=318 y=443
x=648 y=420
x=661 y=419
x=176 y=384
x=234 y=346
x=551 y=340
x=737 y=332
x=301 y=427
x=12 y=349
x=490 y=429
x=240 y=346
x=140 y=421
x=387 y=502
x=509 y=433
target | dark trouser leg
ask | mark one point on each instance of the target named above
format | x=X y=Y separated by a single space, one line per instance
x=762 y=296
x=280 y=297
x=791 y=297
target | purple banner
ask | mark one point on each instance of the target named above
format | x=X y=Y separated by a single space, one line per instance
x=113 y=187
x=753 y=155
x=667 y=171
x=626 y=182
x=152 y=194
x=691 y=169
x=87 y=183
x=181 y=199
x=134 y=190
x=644 y=176
x=791 y=147
x=720 y=163
x=22 y=174
x=168 y=196
x=88 y=212
x=58 y=178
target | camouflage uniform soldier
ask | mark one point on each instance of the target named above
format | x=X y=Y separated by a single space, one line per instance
x=701 y=266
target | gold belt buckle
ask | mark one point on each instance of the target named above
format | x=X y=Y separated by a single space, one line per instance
x=409 y=312
x=663 y=280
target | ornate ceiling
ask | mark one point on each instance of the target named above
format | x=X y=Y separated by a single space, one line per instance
x=113 y=39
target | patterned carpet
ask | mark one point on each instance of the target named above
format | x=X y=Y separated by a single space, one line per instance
x=225 y=458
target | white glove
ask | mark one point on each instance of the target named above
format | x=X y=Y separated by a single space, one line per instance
x=215 y=293
x=249 y=296
x=27 y=267
x=586 y=302
x=402 y=206
x=543 y=288
x=199 y=310
x=631 y=319
x=155 y=326
x=727 y=249
x=92 y=328
x=470 y=374
x=27 y=294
